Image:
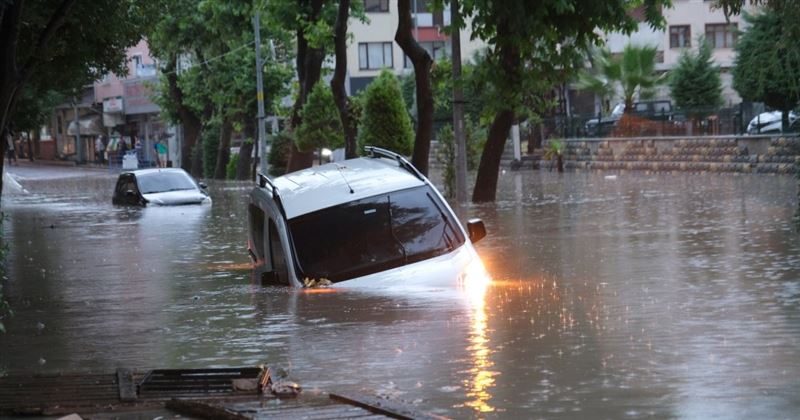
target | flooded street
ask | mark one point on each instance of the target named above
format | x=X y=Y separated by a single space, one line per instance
x=666 y=295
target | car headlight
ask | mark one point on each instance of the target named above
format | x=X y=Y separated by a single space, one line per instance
x=206 y=200
x=475 y=279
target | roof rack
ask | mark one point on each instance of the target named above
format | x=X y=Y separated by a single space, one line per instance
x=263 y=181
x=405 y=164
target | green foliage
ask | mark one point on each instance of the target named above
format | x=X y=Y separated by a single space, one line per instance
x=555 y=149
x=632 y=73
x=210 y=144
x=475 y=137
x=321 y=125
x=409 y=87
x=695 y=83
x=278 y=156
x=230 y=169
x=385 y=122
x=532 y=47
x=767 y=65
x=34 y=107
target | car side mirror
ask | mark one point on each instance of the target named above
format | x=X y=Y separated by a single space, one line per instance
x=202 y=185
x=476 y=230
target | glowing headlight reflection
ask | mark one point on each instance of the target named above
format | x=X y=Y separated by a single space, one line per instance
x=475 y=281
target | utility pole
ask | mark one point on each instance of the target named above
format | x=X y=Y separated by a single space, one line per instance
x=78 y=144
x=262 y=132
x=458 y=106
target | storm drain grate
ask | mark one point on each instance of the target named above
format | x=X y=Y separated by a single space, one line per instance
x=177 y=383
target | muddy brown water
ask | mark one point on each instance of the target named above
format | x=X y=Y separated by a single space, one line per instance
x=648 y=295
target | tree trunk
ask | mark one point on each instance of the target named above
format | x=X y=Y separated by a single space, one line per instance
x=192 y=126
x=488 y=170
x=422 y=67
x=308 y=74
x=223 y=149
x=560 y=162
x=337 y=82
x=246 y=150
x=37 y=141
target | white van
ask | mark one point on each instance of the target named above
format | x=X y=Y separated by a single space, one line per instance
x=362 y=221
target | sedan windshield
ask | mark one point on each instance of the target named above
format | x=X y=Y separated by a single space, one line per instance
x=373 y=234
x=157 y=182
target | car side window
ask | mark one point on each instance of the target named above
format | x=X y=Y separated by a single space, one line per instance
x=277 y=258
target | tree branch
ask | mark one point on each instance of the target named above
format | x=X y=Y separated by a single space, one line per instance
x=56 y=21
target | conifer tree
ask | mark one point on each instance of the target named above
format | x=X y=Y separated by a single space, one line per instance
x=320 y=123
x=385 y=122
x=695 y=82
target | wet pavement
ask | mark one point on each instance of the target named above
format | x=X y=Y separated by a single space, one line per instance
x=666 y=295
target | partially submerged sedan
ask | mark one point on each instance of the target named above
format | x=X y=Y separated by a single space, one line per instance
x=159 y=187
x=359 y=222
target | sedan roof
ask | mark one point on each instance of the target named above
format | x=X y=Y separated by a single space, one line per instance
x=332 y=184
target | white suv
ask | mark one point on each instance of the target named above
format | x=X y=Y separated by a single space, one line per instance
x=363 y=221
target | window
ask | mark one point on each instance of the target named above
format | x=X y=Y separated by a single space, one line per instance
x=436 y=49
x=373 y=234
x=680 y=36
x=376 y=6
x=374 y=55
x=721 y=35
x=137 y=62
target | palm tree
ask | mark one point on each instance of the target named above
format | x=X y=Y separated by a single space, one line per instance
x=633 y=72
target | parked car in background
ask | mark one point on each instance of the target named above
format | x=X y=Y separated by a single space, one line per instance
x=770 y=123
x=652 y=110
x=360 y=222
x=159 y=187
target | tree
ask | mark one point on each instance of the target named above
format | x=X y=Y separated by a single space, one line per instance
x=422 y=66
x=633 y=74
x=385 y=122
x=695 y=83
x=214 y=38
x=337 y=82
x=532 y=47
x=320 y=126
x=602 y=77
x=767 y=67
x=64 y=44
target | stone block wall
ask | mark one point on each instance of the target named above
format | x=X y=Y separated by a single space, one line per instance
x=756 y=154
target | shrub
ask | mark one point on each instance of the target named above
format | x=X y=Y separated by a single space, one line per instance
x=320 y=123
x=278 y=157
x=385 y=122
x=230 y=169
x=210 y=141
x=475 y=137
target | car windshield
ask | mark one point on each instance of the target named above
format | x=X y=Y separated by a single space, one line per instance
x=373 y=234
x=156 y=182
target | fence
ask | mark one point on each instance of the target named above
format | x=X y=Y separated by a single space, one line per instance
x=648 y=121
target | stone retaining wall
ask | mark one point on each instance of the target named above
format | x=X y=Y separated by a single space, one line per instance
x=756 y=154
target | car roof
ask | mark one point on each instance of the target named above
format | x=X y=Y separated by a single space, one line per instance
x=329 y=185
x=152 y=170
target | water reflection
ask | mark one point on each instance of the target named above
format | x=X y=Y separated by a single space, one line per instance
x=479 y=387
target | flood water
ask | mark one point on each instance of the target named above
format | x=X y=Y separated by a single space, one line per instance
x=666 y=295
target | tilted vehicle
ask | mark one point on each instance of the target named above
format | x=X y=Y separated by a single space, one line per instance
x=363 y=221
x=159 y=187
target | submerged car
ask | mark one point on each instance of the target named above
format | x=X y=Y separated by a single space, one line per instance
x=159 y=187
x=770 y=122
x=358 y=222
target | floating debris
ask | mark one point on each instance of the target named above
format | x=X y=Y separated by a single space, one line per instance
x=311 y=283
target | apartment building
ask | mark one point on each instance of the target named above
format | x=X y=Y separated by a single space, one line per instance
x=373 y=48
x=687 y=20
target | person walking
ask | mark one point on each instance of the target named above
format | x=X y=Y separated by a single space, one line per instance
x=99 y=149
x=10 y=153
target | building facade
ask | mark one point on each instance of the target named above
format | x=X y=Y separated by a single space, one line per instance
x=686 y=22
x=373 y=47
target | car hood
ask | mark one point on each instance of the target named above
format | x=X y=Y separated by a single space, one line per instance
x=455 y=269
x=177 y=198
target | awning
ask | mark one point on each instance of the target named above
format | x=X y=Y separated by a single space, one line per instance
x=90 y=126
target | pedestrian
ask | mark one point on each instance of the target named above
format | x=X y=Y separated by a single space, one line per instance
x=10 y=153
x=99 y=150
x=161 y=154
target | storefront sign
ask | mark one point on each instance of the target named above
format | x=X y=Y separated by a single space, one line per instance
x=114 y=104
